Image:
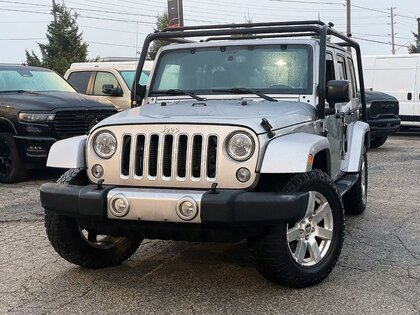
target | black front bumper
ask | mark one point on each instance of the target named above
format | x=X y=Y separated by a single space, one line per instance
x=383 y=126
x=224 y=206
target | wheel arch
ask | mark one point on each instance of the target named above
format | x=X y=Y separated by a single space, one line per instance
x=359 y=137
x=7 y=126
x=292 y=154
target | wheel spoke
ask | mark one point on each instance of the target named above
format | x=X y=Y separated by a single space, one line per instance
x=293 y=234
x=322 y=211
x=323 y=233
x=311 y=204
x=314 y=250
x=300 y=253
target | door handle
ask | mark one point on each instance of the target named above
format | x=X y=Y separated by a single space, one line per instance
x=409 y=96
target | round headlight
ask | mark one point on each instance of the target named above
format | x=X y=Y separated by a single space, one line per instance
x=240 y=146
x=105 y=144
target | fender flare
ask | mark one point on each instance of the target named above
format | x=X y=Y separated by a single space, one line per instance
x=6 y=122
x=68 y=153
x=289 y=153
x=359 y=136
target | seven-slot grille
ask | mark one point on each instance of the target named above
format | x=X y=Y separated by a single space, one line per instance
x=75 y=123
x=169 y=157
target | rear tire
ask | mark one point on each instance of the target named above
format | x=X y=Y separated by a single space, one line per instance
x=376 y=142
x=84 y=247
x=12 y=169
x=303 y=254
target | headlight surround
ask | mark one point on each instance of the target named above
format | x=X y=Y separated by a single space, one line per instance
x=105 y=144
x=35 y=117
x=240 y=146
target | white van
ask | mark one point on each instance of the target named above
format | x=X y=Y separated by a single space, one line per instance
x=109 y=80
x=399 y=76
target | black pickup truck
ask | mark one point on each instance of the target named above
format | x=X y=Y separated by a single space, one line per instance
x=382 y=116
x=37 y=108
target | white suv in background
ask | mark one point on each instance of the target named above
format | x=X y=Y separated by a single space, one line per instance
x=110 y=80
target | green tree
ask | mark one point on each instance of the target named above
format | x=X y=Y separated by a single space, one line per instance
x=415 y=48
x=65 y=43
x=162 y=21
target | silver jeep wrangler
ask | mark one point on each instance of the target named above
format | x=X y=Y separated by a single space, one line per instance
x=253 y=132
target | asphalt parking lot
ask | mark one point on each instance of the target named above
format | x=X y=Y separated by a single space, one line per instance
x=378 y=272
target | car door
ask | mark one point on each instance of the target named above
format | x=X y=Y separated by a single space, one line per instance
x=417 y=92
x=397 y=77
x=334 y=123
x=107 y=77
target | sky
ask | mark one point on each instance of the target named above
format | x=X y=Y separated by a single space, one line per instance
x=118 y=27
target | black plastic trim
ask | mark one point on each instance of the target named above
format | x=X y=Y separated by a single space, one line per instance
x=76 y=201
x=239 y=206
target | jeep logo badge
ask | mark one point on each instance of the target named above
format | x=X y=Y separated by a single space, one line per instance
x=165 y=129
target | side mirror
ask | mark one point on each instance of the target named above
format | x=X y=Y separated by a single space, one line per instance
x=338 y=91
x=110 y=90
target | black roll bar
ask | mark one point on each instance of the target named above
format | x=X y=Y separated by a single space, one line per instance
x=256 y=31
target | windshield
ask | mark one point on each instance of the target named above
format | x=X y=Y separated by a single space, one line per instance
x=128 y=77
x=33 y=81
x=275 y=69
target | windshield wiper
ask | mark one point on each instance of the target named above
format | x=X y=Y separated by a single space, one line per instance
x=245 y=90
x=180 y=92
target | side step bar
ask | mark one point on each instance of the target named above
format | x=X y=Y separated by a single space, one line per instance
x=344 y=184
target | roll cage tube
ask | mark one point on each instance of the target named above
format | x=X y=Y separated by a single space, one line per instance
x=256 y=31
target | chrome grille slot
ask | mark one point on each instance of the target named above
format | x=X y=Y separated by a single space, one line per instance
x=182 y=156
x=125 y=156
x=196 y=156
x=167 y=155
x=139 y=159
x=211 y=157
x=153 y=155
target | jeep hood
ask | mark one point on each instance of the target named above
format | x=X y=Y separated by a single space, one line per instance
x=217 y=112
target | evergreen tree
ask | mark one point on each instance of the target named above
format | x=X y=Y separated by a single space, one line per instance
x=162 y=21
x=64 y=46
x=415 y=49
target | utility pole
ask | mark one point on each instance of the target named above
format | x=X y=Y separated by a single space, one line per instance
x=392 y=31
x=348 y=7
x=418 y=34
x=54 y=9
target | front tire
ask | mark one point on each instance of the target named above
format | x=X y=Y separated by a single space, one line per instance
x=303 y=254
x=81 y=246
x=12 y=169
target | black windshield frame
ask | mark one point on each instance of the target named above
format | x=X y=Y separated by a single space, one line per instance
x=294 y=91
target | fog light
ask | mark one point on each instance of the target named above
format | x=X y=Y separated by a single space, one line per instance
x=187 y=209
x=243 y=174
x=97 y=171
x=119 y=206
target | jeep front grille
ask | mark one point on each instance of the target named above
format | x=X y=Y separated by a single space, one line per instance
x=166 y=156
x=172 y=156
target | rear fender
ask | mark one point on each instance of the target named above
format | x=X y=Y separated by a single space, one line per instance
x=289 y=153
x=68 y=153
x=358 y=139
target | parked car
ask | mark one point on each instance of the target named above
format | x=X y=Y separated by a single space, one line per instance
x=107 y=80
x=399 y=76
x=382 y=117
x=238 y=136
x=37 y=108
